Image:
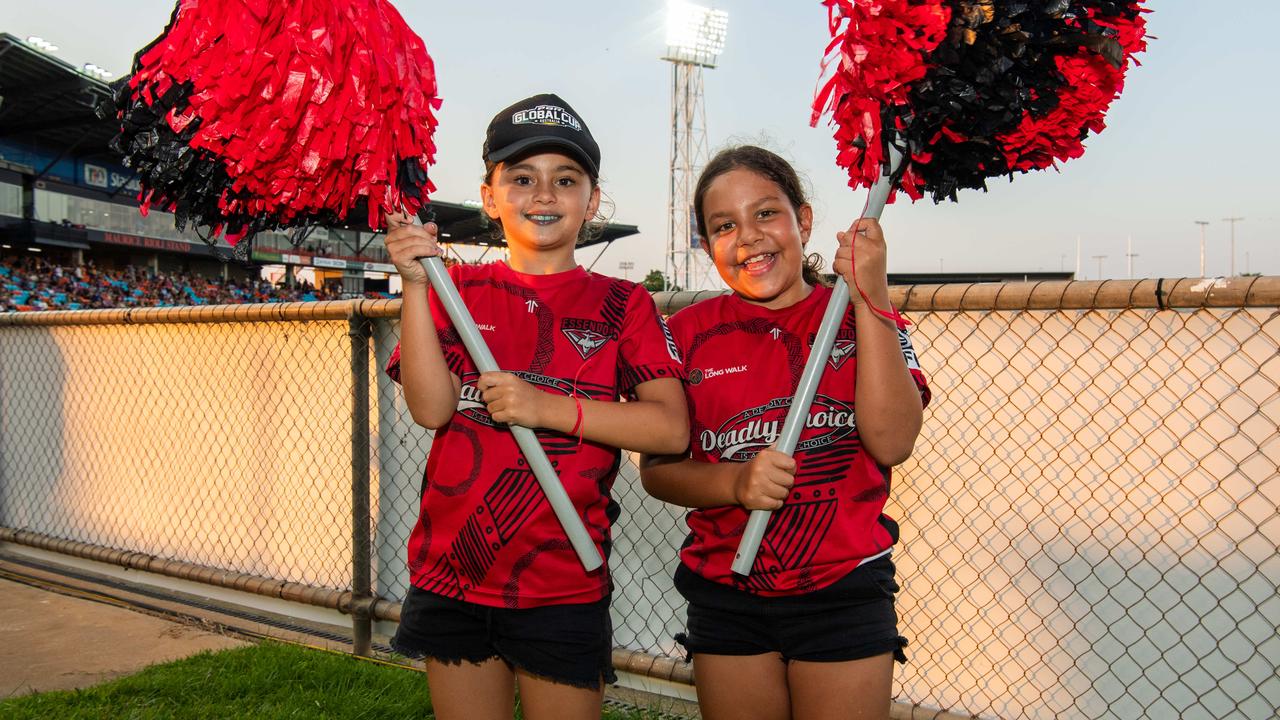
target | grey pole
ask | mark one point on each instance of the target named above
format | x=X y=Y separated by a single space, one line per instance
x=1233 y=221
x=359 y=330
x=561 y=505
x=1202 y=224
x=808 y=386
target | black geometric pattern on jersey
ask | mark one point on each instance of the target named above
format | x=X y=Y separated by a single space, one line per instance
x=454 y=353
x=588 y=390
x=511 y=589
x=718 y=531
x=462 y=487
x=848 y=328
x=762 y=577
x=877 y=493
x=514 y=497
x=613 y=310
x=804 y=581
x=629 y=377
x=441 y=579
x=471 y=552
x=603 y=477
x=544 y=347
x=614 y=306
x=753 y=326
x=418 y=559
x=512 y=500
x=796 y=531
x=556 y=443
x=829 y=463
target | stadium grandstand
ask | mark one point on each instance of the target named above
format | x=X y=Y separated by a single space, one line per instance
x=71 y=235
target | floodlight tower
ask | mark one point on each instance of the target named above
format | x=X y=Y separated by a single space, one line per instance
x=695 y=38
x=1233 y=221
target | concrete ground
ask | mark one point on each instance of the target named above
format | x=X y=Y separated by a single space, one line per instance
x=63 y=631
x=55 y=641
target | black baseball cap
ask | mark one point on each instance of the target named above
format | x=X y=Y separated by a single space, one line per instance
x=538 y=122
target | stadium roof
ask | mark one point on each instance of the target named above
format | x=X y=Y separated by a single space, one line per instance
x=465 y=224
x=47 y=102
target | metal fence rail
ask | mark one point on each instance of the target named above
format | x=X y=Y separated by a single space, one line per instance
x=1090 y=522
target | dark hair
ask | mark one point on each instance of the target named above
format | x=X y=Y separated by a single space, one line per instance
x=772 y=168
x=590 y=230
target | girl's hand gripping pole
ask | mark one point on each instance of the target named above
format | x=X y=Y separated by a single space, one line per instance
x=818 y=355
x=528 y=442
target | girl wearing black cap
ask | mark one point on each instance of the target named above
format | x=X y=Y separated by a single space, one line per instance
x=499 y=600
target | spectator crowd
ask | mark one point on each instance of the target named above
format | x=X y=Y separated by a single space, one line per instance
x=32 y=283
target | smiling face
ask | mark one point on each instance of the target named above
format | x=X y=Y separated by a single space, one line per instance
x=756 y=238
x=542 y=202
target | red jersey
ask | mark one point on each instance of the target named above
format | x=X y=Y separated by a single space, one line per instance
x=486 y=534
x=742 y=364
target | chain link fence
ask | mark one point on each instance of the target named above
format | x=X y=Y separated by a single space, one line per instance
x=1090 y=521
x=215 y=443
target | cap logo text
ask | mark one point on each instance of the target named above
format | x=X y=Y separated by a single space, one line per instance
x=546 y=115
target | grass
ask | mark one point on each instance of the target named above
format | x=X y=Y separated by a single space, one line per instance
x=264 y=681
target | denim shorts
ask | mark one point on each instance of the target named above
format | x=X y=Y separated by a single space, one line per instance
x=568 y=644
x=851 y=619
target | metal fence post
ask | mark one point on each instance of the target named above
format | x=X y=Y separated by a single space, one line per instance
x=360 y=331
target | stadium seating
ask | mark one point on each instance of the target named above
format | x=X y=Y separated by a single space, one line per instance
x=28 y=284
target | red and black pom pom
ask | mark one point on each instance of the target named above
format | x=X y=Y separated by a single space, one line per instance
x=252 y=115
x=972 y=89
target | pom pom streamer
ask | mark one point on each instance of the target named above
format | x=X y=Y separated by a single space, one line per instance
x=252 y=115
x=971 y=89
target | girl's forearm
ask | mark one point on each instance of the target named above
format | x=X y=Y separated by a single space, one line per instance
x=656 y=422
x=430 y=389
x=683 y=481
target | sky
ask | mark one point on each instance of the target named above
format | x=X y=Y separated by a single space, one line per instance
x=1191 y=138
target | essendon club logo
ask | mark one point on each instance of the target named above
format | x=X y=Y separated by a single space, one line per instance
x=587 y=336
x=744 y=435
x=842 y=350
x=844 y=347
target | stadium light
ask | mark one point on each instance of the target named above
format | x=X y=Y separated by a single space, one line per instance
x=98 y=72
x=41 y=44
x=695 y=39
x=695 y=34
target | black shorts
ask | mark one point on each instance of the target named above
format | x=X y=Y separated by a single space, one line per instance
x=568 y=644
x=851 y=619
